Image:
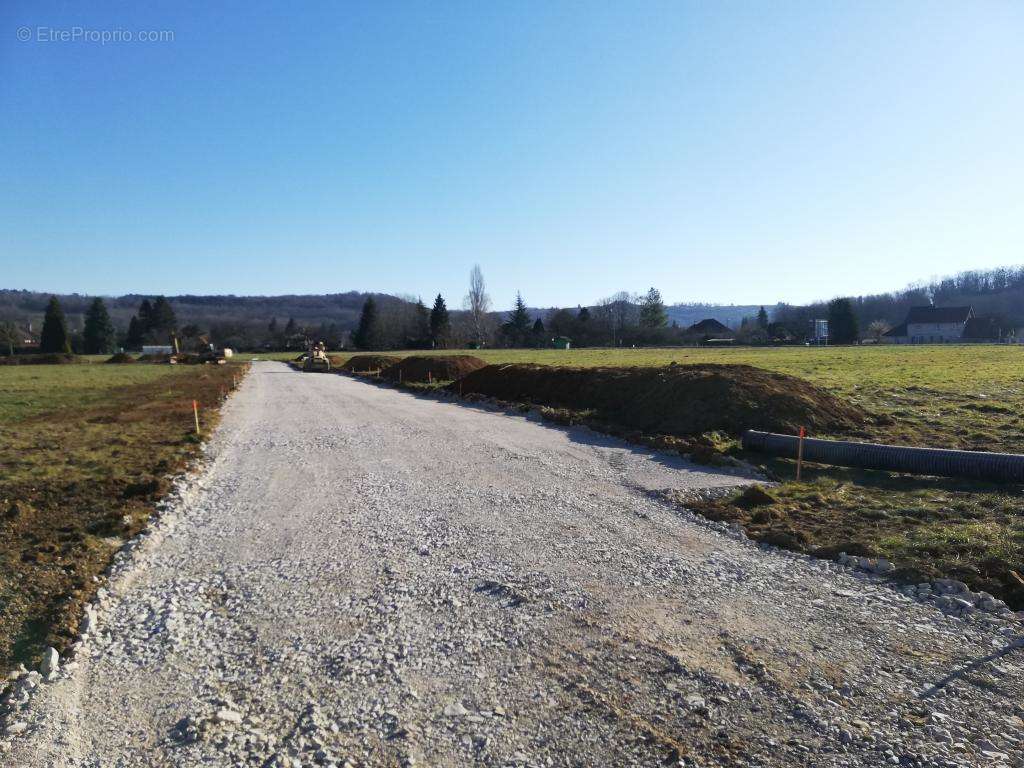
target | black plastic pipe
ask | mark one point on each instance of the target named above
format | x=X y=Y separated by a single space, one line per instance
x=1001 y=467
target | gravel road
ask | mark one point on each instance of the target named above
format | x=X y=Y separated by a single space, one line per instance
x=364 y=577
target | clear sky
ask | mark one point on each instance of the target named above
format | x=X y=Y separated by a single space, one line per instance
x=731 y=152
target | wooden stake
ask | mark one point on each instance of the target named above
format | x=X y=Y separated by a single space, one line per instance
x=195 y=412
x=800 y=454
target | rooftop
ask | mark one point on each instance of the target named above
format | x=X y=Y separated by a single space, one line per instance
x=932 y=314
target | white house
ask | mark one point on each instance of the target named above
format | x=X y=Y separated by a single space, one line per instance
x=939 y=325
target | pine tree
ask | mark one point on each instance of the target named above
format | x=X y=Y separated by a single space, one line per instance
x=136 y=334
x=55 y=329
x=652 y=310
x=440 y=324
x=272 y=327
x=290 y=328
x=842 y=322
x=164 y=322
x=145 y=316
x=538 y=332
x=762 y=319
x=517 y=326
x=98 y=335
x=368 y=335
x=421 y=324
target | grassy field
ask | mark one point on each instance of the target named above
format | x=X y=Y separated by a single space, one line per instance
x=85 y=450
x=969 y=397
x=951 y=396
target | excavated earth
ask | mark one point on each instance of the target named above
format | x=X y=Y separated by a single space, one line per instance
x=675 y=399
x=365 y=577
x=426 y=368
x=367 y=363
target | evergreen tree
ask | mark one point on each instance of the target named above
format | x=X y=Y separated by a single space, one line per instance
x=290 y=328
x=145 y=316
x=517 y=326
x=272 y=327
x=440 y=324
x=538 y=332
x=762 y=319
x=136 y=334
x=368 y=334
x=583 y=315
x=98 y=336
x=421 y=324
x=652 y=310
x=164 y=322
x=842 y=322
x=55 y=329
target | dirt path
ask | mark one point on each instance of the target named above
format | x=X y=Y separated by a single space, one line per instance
x=364 y=577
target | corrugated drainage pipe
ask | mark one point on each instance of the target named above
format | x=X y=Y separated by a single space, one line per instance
x=1002 y=467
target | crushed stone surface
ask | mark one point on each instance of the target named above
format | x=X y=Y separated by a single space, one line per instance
x=364 y=577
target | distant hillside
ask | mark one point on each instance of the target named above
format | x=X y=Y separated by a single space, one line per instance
x=683 y=314
x=342 y=309
x=995 y=293
x=728 y=314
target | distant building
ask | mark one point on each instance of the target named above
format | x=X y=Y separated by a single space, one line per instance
x=157 y=349
x=818 y=332
x=944 y=325
x=710 y=329
x=561 y=342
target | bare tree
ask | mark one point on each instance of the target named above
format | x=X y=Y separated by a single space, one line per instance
x=878 y=329
x=479 y=304
x=617 y=313
x=8 y=337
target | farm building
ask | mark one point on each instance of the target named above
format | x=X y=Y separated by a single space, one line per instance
x=941 y=325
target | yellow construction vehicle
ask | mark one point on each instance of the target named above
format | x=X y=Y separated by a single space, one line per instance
x=316 y=358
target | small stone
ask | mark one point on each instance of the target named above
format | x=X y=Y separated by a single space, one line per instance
x=455 y=710
x=16 y=728
x=51 y=662
x=229 y=716
x=88 y=621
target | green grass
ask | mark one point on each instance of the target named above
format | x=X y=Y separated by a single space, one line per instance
x=85 y=450
x=27 y=390
x=954 y=396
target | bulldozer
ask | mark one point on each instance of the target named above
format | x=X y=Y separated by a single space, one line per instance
x=316 y=358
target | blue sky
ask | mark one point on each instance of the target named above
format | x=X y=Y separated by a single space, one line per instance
x=728 y=152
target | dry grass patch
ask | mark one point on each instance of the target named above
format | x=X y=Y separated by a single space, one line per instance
x=86 y=450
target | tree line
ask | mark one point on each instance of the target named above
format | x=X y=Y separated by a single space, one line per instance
x=381 y=321
x=996 y=293
x=621 y=319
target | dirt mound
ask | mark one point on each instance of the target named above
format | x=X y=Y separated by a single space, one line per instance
x=42 y=358
x=434 y=368
x=120 y=357
x=367 y=363
x=676 y=400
